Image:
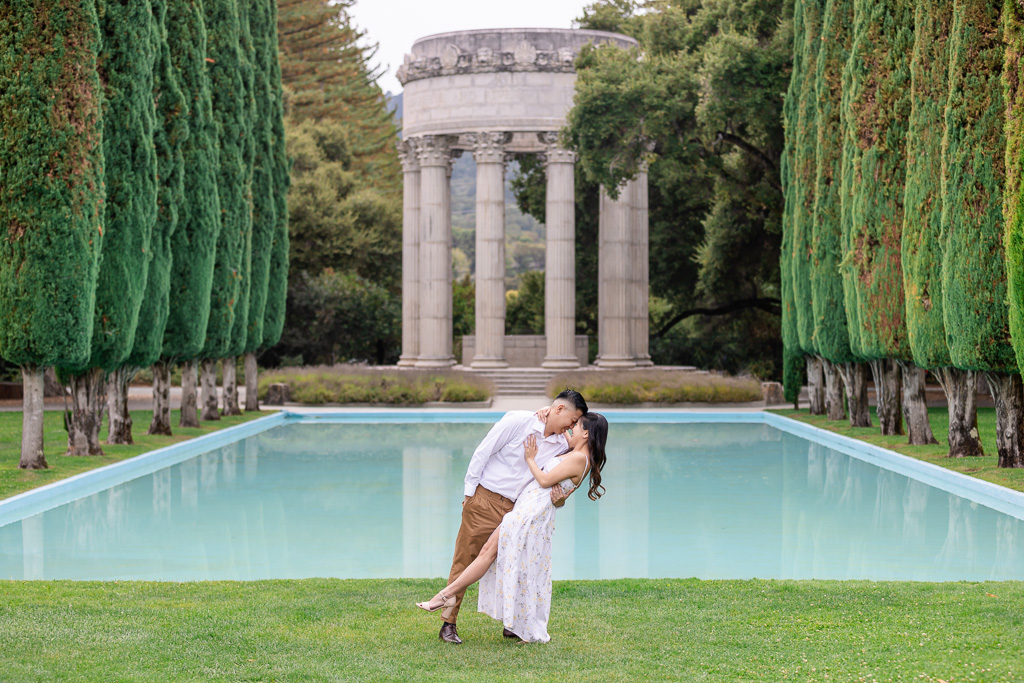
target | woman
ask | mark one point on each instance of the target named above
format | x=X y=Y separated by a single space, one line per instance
x=514 y=566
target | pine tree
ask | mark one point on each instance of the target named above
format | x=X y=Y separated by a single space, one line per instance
x=329 y=77
x=169 y=135
x=805 y=133
x=51 y=193
x=921 y=247
x=876 y=97
x=974 y=270
x=194 y=243
x=277 y=284
x=240 y=326
x=264 y=208
x=126 y=71
x=228 y=75
x=831 y=334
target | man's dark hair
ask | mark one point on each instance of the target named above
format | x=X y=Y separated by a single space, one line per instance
x=574 y=398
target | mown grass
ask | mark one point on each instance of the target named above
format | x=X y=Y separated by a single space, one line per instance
x=626 y=630
x=630 y=387
x=347 y=384
x=982 y=467
x=55 y=440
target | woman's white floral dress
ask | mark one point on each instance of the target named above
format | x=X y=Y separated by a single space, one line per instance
x=516 y=589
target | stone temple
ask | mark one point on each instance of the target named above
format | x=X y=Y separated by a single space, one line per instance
x=496 y=93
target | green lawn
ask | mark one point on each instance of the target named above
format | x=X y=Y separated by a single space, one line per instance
x=368 y=630
x=55 y=440
x=983 y=467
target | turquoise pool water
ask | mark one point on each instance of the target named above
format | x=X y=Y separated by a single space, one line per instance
x=710 y=500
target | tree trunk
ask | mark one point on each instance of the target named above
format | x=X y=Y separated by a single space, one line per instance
x=189 y=399
x=886 y=374
x=1008 y=394
x=252 y=401
x=915 y=405
x=228 y=369
x=834 y=409
x=161 y=422
x=961 y=387
x=86 y=413
x=815 y=385
x=119 y=420
x=855 y=379
x=32 y=457
x=209 y=397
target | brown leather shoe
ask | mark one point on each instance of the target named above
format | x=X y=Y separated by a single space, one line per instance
x=508 y=634
x=449 y=635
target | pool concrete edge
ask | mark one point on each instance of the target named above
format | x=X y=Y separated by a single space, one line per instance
x=63 y=491
x=977 y=490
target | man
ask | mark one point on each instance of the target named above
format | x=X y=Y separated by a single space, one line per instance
x=496 y=475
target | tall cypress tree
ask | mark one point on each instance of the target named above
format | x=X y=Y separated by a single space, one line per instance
x=805 y=134
x=126 y=71
x=921 y=246
x=194 y=242
x=277 y=281
x=264 y=208
x=974 y=271
x=169 y=136
x=830 y=325
x=227 y=78
x=240 y=326
x=51 y=193
x=876 y=96
x=792 y=353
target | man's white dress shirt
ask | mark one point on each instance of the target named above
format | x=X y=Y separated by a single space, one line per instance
x=498 y=463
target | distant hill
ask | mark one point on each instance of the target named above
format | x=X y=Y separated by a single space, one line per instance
x=524 y=236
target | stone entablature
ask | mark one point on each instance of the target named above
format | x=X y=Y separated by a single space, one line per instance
x=469 y=52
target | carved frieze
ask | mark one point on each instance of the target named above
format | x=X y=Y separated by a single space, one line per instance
x=455 y=60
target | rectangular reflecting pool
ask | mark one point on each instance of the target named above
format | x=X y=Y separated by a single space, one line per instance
x=754 y=496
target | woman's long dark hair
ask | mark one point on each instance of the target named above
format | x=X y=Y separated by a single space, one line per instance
x=597 y=435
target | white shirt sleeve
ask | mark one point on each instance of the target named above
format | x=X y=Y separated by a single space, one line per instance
x=500 y=435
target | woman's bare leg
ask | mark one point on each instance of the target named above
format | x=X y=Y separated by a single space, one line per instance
x=474 y=571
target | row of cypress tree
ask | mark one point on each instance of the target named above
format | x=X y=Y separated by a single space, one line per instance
x=143 y=175
x=903 y=230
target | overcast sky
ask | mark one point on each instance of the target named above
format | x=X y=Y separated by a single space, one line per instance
x=396 y=24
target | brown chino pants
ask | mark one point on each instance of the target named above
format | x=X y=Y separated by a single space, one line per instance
x=481 y=515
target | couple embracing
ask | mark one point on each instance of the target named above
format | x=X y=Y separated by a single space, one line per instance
x=525 y=467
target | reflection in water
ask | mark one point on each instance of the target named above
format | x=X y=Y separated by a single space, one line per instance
x=705 y=500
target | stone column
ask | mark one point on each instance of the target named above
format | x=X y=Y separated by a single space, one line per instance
x=640 y=271
x=410 y=253
x=614 y=320
x=489 y=154
x=435 y=247
x=560 y=257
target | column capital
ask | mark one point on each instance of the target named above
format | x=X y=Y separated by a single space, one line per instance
x=553 y=152
x=489 y=147
x=435 y=150
x=407 y=154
